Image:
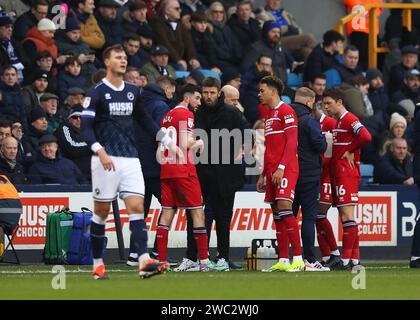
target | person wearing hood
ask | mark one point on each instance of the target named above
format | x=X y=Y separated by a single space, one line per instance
x=311 y=144
x=270 y=45
x=71 y=142
x=51 y=168
x=155 y=98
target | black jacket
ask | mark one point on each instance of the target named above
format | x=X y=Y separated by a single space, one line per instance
x=246 y=34
x=311 y=143
x=15 y=175
x=73 y=146
x=228 y=178
x=318 y=62
x=390 y=171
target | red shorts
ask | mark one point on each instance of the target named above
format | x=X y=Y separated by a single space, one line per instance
x=325 y=194
x=286 y=190
x=345 y=191
x=181 y=193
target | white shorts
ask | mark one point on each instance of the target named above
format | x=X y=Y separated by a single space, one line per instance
x=127 y=179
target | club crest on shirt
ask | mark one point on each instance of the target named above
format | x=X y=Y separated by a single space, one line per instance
x=130 y=96
x=86 y=102
x=190 y=123
x=107 y=96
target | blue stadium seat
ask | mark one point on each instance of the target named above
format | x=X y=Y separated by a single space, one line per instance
x=209 y=73
x=333 y=78
x=182 y=74
x=286 y=99
x=366 y=173
x=294 y=80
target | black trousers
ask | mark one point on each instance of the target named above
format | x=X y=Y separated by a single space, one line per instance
x=218 y=208
x=306 y=197
x=415 y=247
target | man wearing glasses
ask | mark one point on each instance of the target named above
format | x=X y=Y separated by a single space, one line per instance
x=71 y=143
x=38 y=11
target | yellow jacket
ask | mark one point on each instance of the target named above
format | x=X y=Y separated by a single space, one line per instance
x=91 y=33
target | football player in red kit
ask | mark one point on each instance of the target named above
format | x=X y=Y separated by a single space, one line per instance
x=281 y=170
x=325 y=234
x=349 y=137
x=179 y=181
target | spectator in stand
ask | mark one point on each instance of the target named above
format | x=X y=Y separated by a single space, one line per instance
x=397 y=128
x=396 y=167
x=17 y=133
x=245 y=28
x=204 y=44
x=410 y=88
x=146 y=43
x=11 y=51
x=356 y=97
x=70 y=77
x=300 y=45
x=109 y=22
x=249 y=87
x=91 y=33
x=188 y=7
x=75 y=95
x=269 y=45
x=32 y=93
x=324 y=56
x=159 y=65
x=227 y=48
x=9 y=164
x=5 y=129
x=230 y=77
x=135 y=17
x=350 y=67
x=44 y=64
x=318 y=85
x=171 y=34
x=28 y=20
x=377 y=93
x=51 y=168
x=132 y=46
x=195 y=78
x=132 y=75
x=71 y=142
x=409 y=61
x=70 y=43
x=232 y=97
x=11 y=102
x=37 y=128
x=41 y=38
x=49 y=103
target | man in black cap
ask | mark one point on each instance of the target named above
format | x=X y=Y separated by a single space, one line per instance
x=38 y=126
x=75 y=95
x=158 y=66
x=409 y=61
x=33 y=92
x=51 y=168
x=109 y=22
x=410 y=88
x=49 y=103
x=146 y=42
x=71 y=142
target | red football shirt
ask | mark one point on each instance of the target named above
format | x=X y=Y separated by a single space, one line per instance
x=281 y=132
x=178 y=121
x=349 y=135
x=328 y=124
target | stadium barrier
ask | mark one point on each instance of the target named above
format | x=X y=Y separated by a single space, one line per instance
x=386 y=216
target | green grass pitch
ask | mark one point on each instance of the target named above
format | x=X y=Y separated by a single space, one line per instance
x=383 y=281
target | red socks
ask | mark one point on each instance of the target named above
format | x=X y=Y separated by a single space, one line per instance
x=326 y=238
x=162 y=242
x=282 y=240
x=350 y=235
x=200 y=236
x=292 y=229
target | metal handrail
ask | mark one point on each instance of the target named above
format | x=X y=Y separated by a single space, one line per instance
x=373 y=16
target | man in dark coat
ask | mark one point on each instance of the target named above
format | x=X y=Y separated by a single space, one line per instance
x=311 y=144
x=396 y=167
x=409 y=61
x=51 y=168
x=246 y=29
x=38 y=11
x=71 y=142
x=109 y=22
x=219 y=181
x=9 y=166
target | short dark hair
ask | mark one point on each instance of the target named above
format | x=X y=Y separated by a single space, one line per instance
x=71 y=61
x=8 y=67
x=43 y=54
x=211 y=82
x=5 y=123
x=244 y=2
x=189 y=89
x=318 y=76
x=350 y=48
x=264 y=56
x=331 y=36
x=107 y=52
x=36 y=3
x=359 y=80
x=132 y=36
x=335 y=94
x=165 y=81
x=131 y=69
x=137 y=5
x=198 y=17
x=273 y=82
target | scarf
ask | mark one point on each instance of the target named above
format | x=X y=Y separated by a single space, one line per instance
x=11 y=163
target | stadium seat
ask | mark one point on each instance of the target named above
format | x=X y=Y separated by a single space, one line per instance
x=209 y=73
x=286 y=99
x=182 y=74
x=294 y=80
x=366 y=173
x=333 y=78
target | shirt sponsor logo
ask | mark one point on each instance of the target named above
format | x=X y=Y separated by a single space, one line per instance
x=120 y=108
